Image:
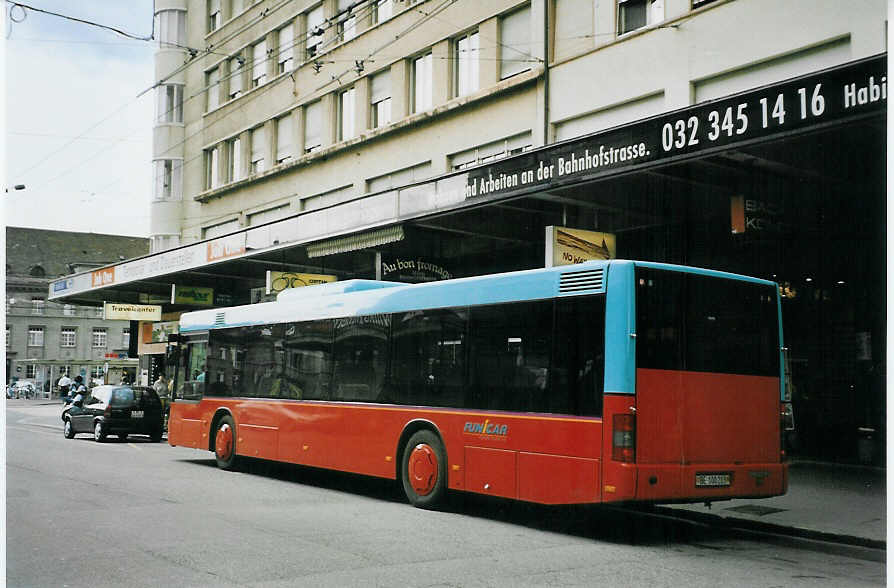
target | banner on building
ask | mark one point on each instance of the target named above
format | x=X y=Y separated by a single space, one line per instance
x=192 y=295
x=566 y=246
x=279 y=281
x=130 y=312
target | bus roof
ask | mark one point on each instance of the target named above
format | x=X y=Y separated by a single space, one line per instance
x=368 y=297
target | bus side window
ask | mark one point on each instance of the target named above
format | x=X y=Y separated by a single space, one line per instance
x=579 y=356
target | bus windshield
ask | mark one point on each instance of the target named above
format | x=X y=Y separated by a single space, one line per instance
x=701 y=323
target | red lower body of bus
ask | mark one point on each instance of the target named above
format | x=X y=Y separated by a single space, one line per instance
x=694 y=437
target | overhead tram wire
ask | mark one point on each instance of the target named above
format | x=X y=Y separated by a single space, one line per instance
x=86 y=22
x=115 y=112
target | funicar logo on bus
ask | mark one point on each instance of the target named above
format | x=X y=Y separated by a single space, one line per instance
x=487 y=429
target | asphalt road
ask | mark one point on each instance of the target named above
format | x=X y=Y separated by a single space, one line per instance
x=136 y=513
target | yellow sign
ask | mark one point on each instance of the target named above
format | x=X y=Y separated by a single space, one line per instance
x=193 y=295
x=130 y=312
x=566 y=246
x=279 y=281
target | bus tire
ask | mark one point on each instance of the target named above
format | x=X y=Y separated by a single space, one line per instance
x=424 y=470
x=225 y=443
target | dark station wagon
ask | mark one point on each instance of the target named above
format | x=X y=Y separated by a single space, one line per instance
x=115 y=410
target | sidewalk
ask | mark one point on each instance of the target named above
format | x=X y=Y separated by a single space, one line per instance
x=839 y=502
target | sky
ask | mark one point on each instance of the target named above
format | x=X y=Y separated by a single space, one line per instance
x=76 y=135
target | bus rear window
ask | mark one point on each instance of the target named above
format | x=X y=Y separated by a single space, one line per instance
x=705 y=324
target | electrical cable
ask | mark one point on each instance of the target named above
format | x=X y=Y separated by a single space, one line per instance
x=80 y=20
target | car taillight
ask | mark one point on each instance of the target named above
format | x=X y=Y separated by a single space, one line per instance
x=108 y=411
x=624 y=438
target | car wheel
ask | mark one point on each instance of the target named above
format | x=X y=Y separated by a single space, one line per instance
x=225 y=443
x=122 y=436
x=424 y=470
x=68 y=430
x=99 y=432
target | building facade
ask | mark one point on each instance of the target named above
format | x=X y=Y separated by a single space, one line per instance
x=45 y=339
x=412 y=140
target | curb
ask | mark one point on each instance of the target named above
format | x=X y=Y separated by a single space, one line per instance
x=773 y=528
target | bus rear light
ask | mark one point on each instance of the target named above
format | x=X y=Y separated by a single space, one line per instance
x=624 y=438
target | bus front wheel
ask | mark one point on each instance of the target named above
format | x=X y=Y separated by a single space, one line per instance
x=225 y=443
x=424 y=470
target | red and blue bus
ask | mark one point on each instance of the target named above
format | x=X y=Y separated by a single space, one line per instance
x=607 y=381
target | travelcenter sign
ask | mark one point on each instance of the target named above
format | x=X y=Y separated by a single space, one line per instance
x=851 y=91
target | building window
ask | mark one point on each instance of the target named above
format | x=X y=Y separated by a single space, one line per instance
x=96 y=373
x=37 y=271
x=399 y=178
x=467 y=64
x=285 y=42
x=346 y=114
x=220 y=229
x=491 y=151
x=313 y=127
x=68 y=310
x=169 y=103
x=170 y=26
x=284 y=151
x=347 y=23
x=35 y=336
x=213 y=15
x=422 y=87
x=380 y=99
x=167 y=179
x=266 y=216
x=30 y=371
x=314 y=28
x=259 y=64
x=38 y=305
x=258 y=149
x=635 y=14
x=212 y=165
x=163 y=242
x=515 y=43
x=68 y=337
x=99 y=338
x=8 y=336
x=212 y=83
x=125 y=338
x=234 y=155
x=382 y=10
x=236 y=66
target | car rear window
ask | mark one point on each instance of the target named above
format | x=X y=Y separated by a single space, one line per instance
x=122 y=396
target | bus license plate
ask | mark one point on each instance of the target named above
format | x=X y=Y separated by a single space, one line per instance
x=136 y=414
x=712 y=480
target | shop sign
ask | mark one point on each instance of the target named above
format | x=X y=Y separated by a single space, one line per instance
x=103 y=277
x=130 y=312
x=753 y=215
x=566 y=246
x=225 y=247
x=193 y=295
x=404 y=269
x=279 y=281
x=851 y=91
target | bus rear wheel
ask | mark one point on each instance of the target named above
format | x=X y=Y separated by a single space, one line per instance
x=225 y=443
x=424 y=470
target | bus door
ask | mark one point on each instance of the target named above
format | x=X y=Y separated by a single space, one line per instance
x=187 y=373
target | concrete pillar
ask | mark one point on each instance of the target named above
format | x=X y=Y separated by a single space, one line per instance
x=400 y=87
x=441 y=68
